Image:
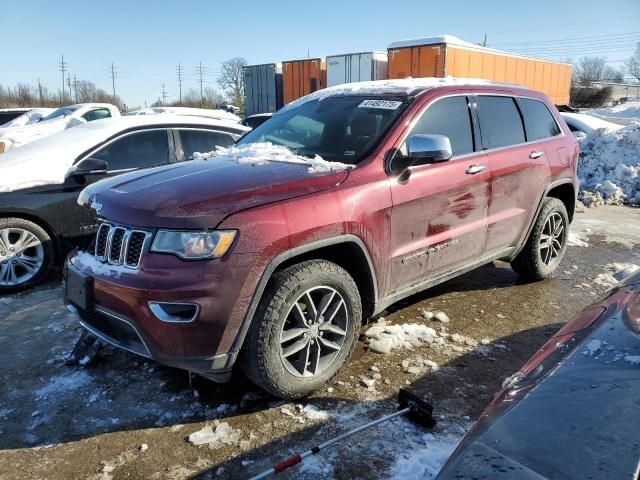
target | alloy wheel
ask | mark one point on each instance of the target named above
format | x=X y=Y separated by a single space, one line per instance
x=314 y=331
x=21 y=256
x=552 y=238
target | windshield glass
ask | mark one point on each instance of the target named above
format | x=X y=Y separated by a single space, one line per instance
x=61 y=112
x=338 y=128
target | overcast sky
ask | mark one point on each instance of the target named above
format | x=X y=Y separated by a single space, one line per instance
x=147 y=39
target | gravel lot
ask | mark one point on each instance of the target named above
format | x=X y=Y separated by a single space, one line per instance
x=126 y=417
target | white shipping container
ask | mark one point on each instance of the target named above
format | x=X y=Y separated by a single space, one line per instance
x=356 y=67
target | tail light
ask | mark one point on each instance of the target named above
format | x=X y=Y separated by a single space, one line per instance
x=1 y=147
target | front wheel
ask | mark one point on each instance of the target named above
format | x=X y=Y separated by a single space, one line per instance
x=26 y=254
x=546 y=244
x=305 y=329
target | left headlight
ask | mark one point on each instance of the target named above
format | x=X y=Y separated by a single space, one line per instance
x=193 y=245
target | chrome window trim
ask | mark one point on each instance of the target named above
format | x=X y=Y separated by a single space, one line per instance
x=415 y=120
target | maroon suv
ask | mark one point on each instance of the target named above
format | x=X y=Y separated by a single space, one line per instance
x=272 y=257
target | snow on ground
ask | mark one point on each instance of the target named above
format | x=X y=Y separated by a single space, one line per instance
x=263 y=153
x=629 y=111
x=574 y=240
x=614 y=273
x=609 y=167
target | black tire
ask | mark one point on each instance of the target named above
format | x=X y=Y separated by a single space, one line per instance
x=262 y=355
x=48 y=254
x=529 y=263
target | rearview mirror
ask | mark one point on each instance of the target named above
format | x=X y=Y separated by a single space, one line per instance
x=422 y=149
x=91 y=166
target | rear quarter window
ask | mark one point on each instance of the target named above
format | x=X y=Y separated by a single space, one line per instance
x=538 y=120
x=500 y=121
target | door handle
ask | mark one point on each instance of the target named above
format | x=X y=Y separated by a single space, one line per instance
x=473 y=169
x=535 y=155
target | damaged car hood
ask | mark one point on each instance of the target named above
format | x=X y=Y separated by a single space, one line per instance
x=201 y=193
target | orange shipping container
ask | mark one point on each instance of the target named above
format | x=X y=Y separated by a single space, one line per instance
x=302 y=77
x=449 y=56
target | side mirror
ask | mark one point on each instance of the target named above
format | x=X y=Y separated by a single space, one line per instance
x=421 y=150
x=91 y=166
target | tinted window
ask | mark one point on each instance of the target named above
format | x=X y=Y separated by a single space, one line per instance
x=96 y=114
x=538 y=120
x=573 y=128
x=6 y=117
x=137 y=150
x=449 y=117
x=201 y=141
x=61 y=112
x=500 y=121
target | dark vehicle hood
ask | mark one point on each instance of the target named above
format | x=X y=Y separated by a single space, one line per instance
x=201 y=193
x=580 y=421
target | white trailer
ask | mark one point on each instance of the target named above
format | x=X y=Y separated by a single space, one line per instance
x=356 y=67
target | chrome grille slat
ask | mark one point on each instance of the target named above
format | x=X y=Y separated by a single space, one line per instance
x=119 y=245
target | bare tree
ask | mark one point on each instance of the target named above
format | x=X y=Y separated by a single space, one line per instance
x=589 y=70
x=633 y=64
x=231 y=79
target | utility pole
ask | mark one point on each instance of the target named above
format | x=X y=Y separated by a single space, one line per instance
x=180 y=78
x=75 y=87
x=113 y=81
x=200 y=72
x=40 y=91
x=164 y=95
x=62 y=66
x=69 y=85
x=484 y=42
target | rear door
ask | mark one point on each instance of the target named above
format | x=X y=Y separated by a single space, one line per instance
x=517 y=170
x=438 y=219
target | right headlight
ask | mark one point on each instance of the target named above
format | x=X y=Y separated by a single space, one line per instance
x=193 y=245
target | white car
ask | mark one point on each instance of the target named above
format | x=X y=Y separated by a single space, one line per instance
x=40 y=219
x=30 y=116
x=582 y=125
x=195 y=112
x=58 y=120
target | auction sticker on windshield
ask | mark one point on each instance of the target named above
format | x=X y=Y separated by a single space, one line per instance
x=384 y=104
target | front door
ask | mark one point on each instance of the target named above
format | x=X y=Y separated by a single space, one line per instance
x=438 y=217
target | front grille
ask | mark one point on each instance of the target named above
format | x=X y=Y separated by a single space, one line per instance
x=114 y=330
x=119 y=245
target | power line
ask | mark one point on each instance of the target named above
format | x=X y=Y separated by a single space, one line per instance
x=200 y=73
x=113 y=80
x=164 y=95
x=565 y=40
x=62 y=66
x=180 y=78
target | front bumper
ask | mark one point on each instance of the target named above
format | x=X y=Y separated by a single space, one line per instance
x=119 y=311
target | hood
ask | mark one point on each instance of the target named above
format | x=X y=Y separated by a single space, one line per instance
x=201 y=193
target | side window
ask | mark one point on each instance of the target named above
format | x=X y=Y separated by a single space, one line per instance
x=573 y=128
x=203 y=141
x=96 y=114
x=449 y=117
x=500 y=121
x=136 y=150
x=538 y=120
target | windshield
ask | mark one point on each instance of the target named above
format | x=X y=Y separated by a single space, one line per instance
x=338 y=128
x=61 y=112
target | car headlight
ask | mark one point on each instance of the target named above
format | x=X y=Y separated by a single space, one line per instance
x=193 y=245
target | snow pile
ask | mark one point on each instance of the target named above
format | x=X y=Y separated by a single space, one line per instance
x=425 y=458
x=188 y=111
x=27 y=118
x=609 y=167
x=614 y=273
x=575 y=241
x=224 y=434
x=263 y=153
x=629 y=111
x=383 y=338
x=632 y=359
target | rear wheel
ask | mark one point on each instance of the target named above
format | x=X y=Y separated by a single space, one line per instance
x=547 y=242
x=26 y=254
x=305 y=329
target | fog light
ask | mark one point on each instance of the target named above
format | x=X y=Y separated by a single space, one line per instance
x=174 y=312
